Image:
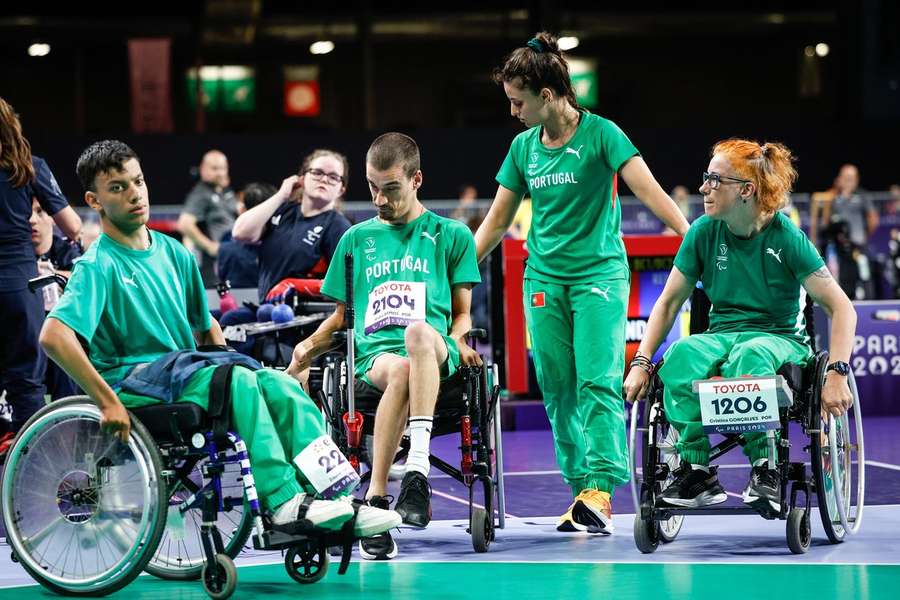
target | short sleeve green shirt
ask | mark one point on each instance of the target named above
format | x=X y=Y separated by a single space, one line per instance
x=431 y=250
x=133 y=306
x=754 y=284
x=575 y=233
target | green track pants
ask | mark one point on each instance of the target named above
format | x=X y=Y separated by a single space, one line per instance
x=274 y=417
x=704 y=355
x=578 y=344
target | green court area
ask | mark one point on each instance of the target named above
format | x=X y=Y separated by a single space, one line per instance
x=521 y=581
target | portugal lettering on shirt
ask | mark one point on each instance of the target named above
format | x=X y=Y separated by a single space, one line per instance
x=384 y=268
x=542 y=181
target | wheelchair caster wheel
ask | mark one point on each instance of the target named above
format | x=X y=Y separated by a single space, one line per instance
x=646 y=535
x=220 y=584
x=307 y=563
x=799 y=531
x=482 y=530
x=13 y=557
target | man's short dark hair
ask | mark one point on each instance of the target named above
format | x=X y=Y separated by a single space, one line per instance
x=394 y=148
x=257 y=193
x=102 y=157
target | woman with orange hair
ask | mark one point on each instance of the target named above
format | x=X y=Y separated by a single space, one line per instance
x=754 y=265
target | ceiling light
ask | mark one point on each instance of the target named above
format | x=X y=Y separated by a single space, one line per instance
x=39 y=50
x=321 y=47
x=567 y=43
x=822 y=49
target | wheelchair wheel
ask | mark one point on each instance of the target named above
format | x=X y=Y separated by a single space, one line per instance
x=646 y=534
x=838 y=462
x=220 y=584
x=799 y=530
x=307 y=563
x=180 y=555
x=480 y=526
x=657 y=440
x=83 y=511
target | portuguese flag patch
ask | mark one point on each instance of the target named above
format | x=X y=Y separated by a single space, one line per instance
x=537 y=300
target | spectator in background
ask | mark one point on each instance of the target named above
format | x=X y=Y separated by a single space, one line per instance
x=209 y=212
x=682 y=198
x=790 y=211
x=466 y=208
x=238 y=264
x=850 y=207
x=892 y=206
x=55 y=254
x=298 y=228
x=23 y=177
x=818 y=202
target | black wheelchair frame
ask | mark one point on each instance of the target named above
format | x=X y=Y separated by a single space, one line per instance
x=657 y=522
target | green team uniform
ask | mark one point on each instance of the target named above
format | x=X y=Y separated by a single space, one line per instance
x=402 y=273
x=756 y=323
x=133 y=306
x=576 y=293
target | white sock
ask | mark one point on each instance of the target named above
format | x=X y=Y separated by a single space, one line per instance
x=704 y=468
x=419 y=444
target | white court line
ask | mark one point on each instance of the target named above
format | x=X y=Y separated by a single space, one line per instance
x=883 y=465
x=462 y=501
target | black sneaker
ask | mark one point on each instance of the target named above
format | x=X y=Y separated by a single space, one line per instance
x=693 y=488
x=381 y=546
x=763 y=492
x=414 y=503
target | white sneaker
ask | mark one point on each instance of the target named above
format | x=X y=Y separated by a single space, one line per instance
x=372 y=521
x=321 y=514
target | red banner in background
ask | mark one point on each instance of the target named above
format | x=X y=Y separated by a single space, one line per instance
x=151 y=85
x=301 y=91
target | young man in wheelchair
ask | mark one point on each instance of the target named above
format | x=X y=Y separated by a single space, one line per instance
x=135 y=298
x=427 y=263
x=752 y=262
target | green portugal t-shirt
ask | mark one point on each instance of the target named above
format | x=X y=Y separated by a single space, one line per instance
x=754 y=284
x=133 y=306
x=575 y=234
x=401 y=274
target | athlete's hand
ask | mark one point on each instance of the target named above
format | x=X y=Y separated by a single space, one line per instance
x=288 y=186
x=836 y=396
x=468 y=356
x=114 y=419
x=636 y=384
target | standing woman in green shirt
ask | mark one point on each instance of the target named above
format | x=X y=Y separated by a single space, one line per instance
x=577 y=278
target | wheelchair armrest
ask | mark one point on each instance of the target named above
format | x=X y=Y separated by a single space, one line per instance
x=477 y=334
x=45 y=280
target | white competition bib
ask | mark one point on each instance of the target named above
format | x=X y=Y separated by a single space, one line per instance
x=738 y=405
x=395 y=303
x=327 y=469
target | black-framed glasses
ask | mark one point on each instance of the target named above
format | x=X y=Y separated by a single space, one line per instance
x=332 y=178
x=715 y=180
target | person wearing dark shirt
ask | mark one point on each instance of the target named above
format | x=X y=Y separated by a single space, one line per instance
x=23 y=176
x=55 y=254
x=237 y=263
x=209 y=212
x=298 y=227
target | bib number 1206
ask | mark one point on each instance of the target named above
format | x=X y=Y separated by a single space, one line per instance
x=740 y=405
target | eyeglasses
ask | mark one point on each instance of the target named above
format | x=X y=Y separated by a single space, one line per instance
x=715 y=180
x=332 y=178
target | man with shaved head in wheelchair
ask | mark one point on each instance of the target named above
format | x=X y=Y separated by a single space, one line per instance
x=412 y=279
x=754 y=265
x=127 y=330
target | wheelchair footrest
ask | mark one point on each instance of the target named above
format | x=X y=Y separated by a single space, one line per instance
x=276 y=540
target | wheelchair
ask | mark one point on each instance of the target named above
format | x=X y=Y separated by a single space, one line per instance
x=834 y=446
x=468 y=405
x=86 y=513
